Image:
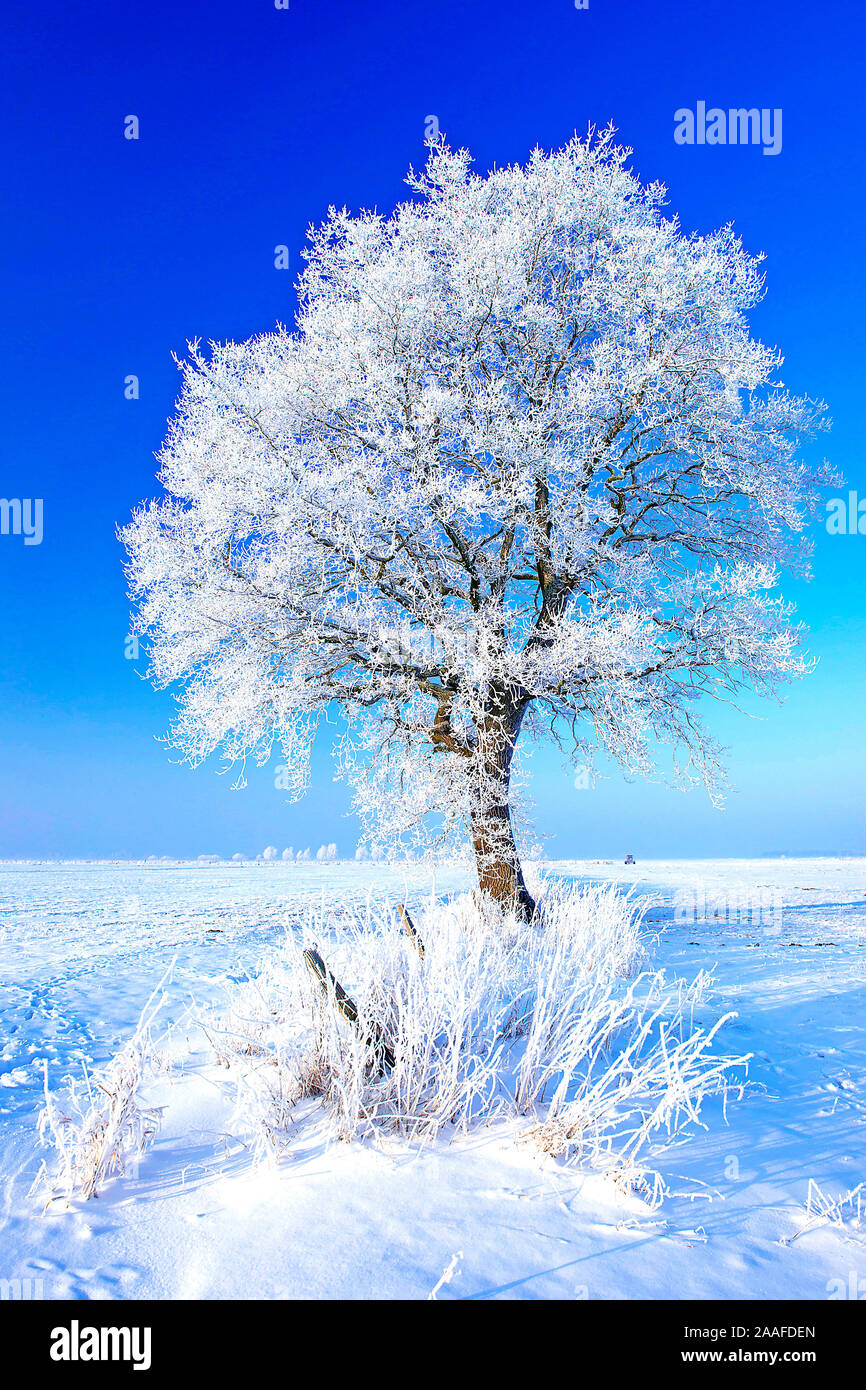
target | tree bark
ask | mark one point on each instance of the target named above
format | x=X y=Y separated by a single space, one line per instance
x=500 y=876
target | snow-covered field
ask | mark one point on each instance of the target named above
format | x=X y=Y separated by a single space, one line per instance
x=82 y=947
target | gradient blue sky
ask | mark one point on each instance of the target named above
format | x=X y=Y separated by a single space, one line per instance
x=253 y=120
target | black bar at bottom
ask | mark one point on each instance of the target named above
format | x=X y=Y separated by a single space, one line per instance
x=142 y=1338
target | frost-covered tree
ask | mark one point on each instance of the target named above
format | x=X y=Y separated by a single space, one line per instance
x=520 y=467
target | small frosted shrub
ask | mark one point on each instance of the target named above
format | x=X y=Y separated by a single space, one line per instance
x=549 y=1024
x=101 y=1125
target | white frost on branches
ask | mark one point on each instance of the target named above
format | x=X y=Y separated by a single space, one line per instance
x=520 y=465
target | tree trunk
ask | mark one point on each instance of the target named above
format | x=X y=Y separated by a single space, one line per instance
x=500 y=876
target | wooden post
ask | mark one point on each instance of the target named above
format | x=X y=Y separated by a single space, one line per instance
x=317 y=967
x=411 y=930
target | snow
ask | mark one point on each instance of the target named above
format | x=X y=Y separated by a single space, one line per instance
x=81 y=949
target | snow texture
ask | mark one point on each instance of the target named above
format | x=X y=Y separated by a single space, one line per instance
x=762 y=1203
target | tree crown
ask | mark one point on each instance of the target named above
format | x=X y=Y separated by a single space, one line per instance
x=520 y=454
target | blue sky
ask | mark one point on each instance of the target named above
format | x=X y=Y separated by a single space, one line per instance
x=253 y=120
